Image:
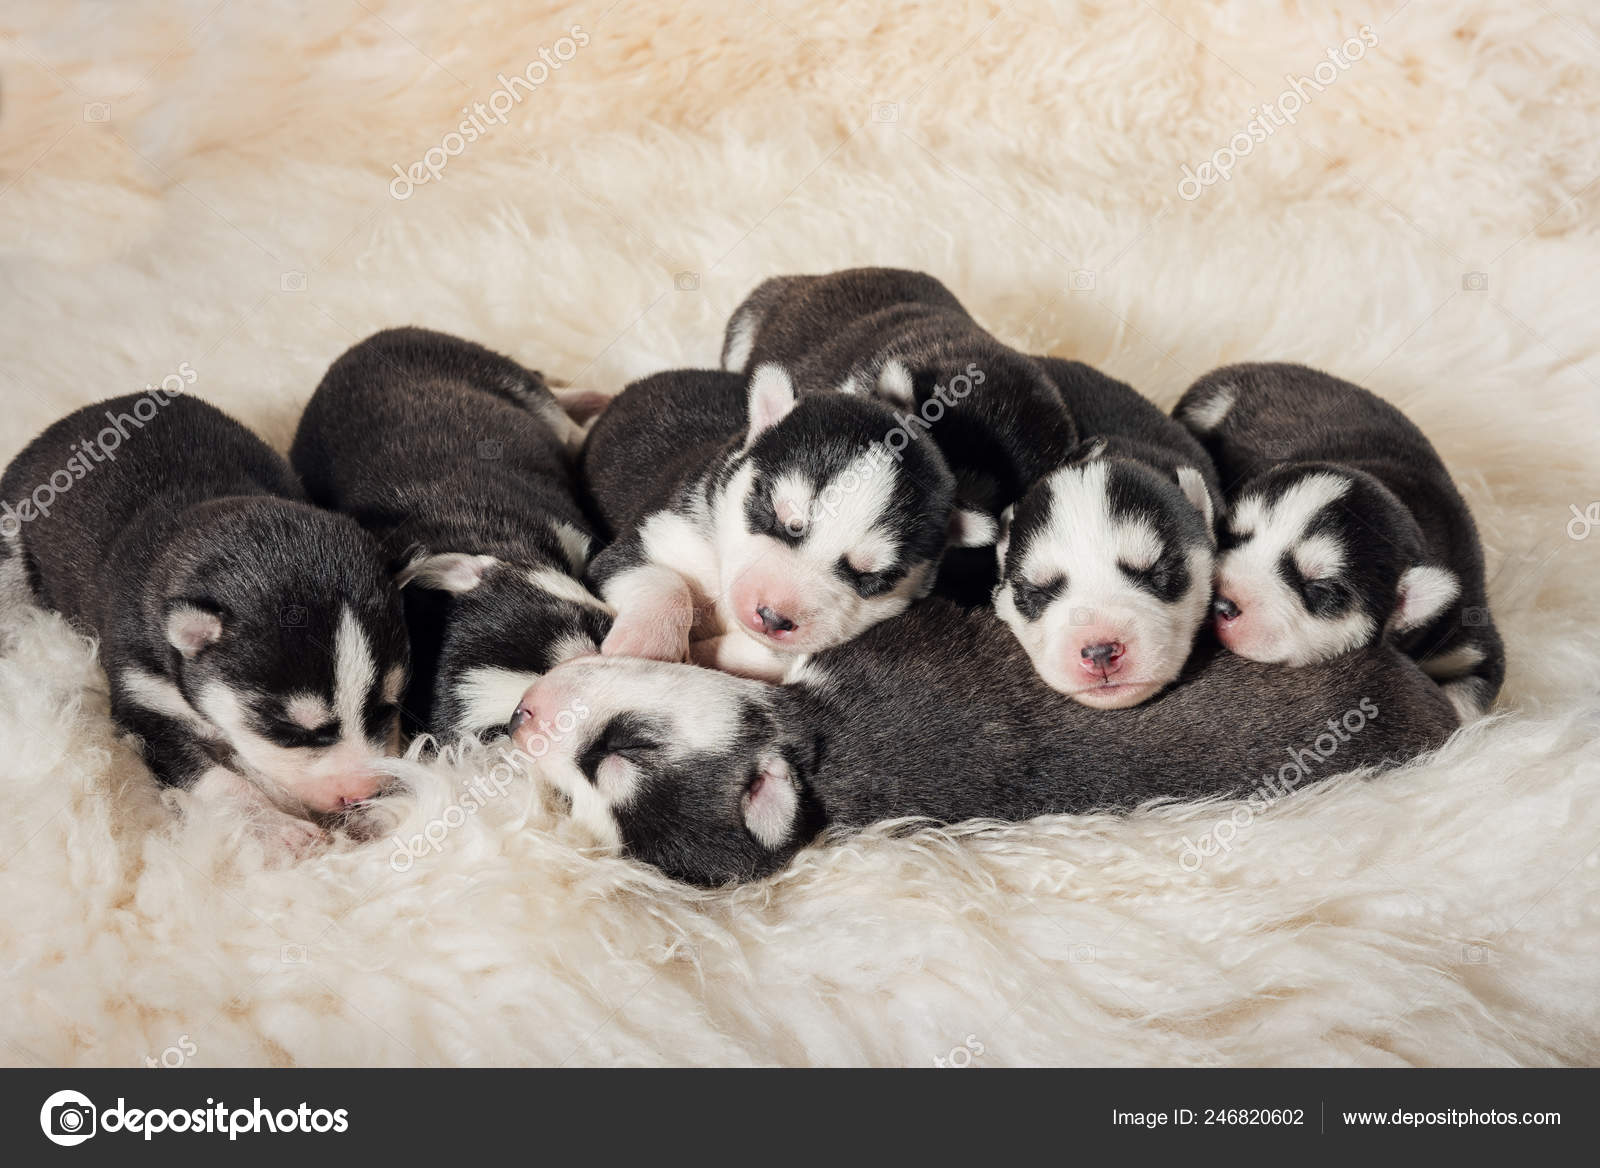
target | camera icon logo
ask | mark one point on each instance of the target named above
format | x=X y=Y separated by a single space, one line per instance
x=292 y=954
x=292 y=282
x=491 y=450
x=1083 y=955
x=1475 y=954
x=67 y=1118
x=97 y=111
x=1081 y=616
x=292 y=616
x=1475 y=282
x=1475 y=618
x=686 y=281
x=1083 y=280
x=886 y=111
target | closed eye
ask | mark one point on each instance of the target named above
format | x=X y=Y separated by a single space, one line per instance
x=1321 y=596
x=869 y=583
x=1032 y=599
x=295 y=734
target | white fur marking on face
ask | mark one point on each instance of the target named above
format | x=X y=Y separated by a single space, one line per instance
x=308 y=711
x=355 y=672
x=770 y=398
x=161 y=696
x=894 y=384
x=792 y=501
x=1319 y=557
x=769 y=805
x=394 y=684
x=454 y=572
x=574 y=545
x=564 y=587
x=1204 y=417
x=617 y=780
x=190 y=629
x=741 y=340
x=1274 y=624
x=1082 y=541
x=1425 y=591
x=850 y=385
x=875 y=552
x=489 y=695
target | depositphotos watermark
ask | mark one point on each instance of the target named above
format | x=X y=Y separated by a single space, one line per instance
x=69 y=1118
x=1274 y=787
x=1267 y=117
x=92 y=452
x=482 y=116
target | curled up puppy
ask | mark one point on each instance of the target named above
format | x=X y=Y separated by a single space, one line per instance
x=1343 y=528
x=252 y=642
x=716 y=779
x=455 y=459
x=749 y=525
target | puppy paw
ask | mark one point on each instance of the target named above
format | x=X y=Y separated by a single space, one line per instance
x=651 y=639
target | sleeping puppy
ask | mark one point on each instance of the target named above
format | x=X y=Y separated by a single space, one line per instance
x=454 y=458
x=1343 y=528
x=252 y=642
x=1106 y=565
x=716 y=779
x=754 y=525
x=901 y=336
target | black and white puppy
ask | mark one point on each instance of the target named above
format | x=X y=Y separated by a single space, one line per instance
x=902 y=336
x=716 y=779
x=1106 y=565
x=1343 y=527
x=253 y=642
x=454 y=458
x=753 y=525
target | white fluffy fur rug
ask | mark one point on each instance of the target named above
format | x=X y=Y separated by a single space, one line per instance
x=210 y=184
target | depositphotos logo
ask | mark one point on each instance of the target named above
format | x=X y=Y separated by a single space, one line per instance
x=69 y=1117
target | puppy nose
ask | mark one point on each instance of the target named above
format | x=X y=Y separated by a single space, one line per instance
x=774 y=622
x=1104 y=656
x=540 y=705
x=1225 y=608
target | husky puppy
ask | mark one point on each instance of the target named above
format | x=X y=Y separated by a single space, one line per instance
x=715 y=779
x=903 y=337
x=756 y=525
x=1343 y=528
x=454 y=458
x=1105 y=566
x=253 y=642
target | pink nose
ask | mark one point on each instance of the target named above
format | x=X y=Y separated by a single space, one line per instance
x=1102 y=658
x=538 y=709
x=768 y=621
x=348 y=790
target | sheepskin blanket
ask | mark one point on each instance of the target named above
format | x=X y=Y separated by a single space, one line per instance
x=1402 y=194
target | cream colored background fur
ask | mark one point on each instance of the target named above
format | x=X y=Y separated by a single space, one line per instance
x=231 y=209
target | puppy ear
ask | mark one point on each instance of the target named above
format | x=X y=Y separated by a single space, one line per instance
x=1002 y=541
x=1086 y=451
x=770 y=398
x=970 y=528
x=1193 y=485
x=454 y=572
x=770 y=802
x=193 y=626
x=1424 y=592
